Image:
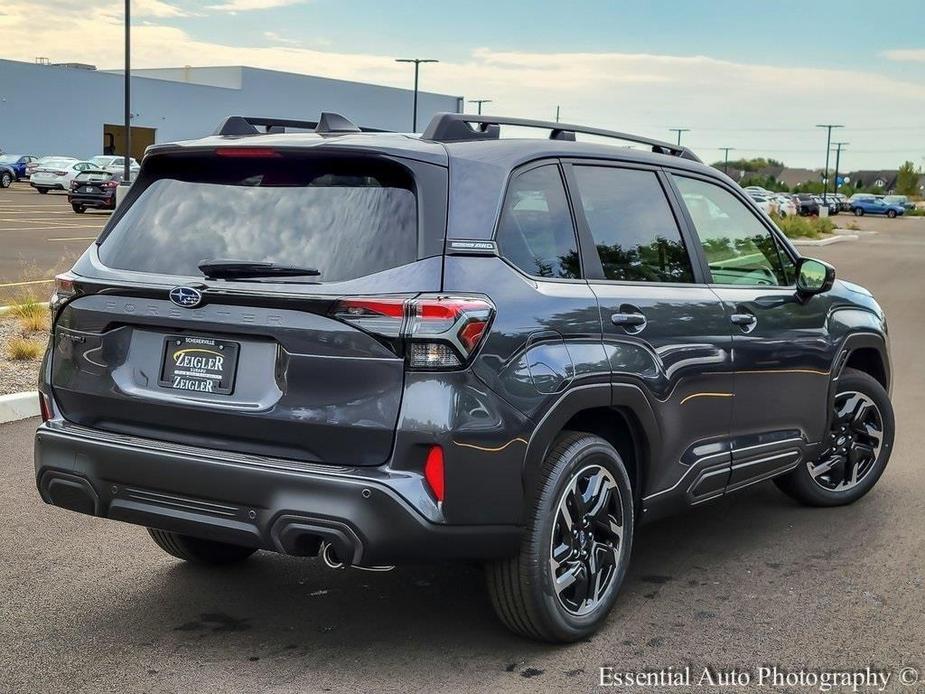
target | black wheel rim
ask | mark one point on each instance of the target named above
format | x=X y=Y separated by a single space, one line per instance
x=855 y=440
x=587 y=540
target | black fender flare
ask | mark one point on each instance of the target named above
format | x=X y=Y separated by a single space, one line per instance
x=627 y=397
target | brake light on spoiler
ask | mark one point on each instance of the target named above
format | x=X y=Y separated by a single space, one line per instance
x=437 y=331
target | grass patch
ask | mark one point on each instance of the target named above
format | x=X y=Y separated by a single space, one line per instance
x=917 y=212
x=24 y=349
x=796 y=227
x=31 y=314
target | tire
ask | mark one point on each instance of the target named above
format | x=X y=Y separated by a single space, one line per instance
x=891 y=214
x=43 y=191
x=858 y=212
x=6 y=180
x=200 y=551
x=802 y=485
x=522 y=588
x=79 y=209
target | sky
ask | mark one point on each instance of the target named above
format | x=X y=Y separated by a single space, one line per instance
x=756 y=77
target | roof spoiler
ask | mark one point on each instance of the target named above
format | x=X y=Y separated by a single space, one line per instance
x=328 y=124
x=460 y=127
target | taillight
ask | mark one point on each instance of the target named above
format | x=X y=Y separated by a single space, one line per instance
x=110 y=184
x=64 y=290
x=433 y=472
x=44 y=406
x=437 y=332
x=57 y=173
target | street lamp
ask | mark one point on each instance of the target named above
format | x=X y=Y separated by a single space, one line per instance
x=479 y=102
x=838 y=146
x=828 y=147
x=679 y=131
x=726 y=150
x=126 y=171
x=417 y=66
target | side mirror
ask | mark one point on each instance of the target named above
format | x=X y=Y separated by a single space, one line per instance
x=814 y=277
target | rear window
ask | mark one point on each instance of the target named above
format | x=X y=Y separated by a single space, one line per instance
x=347 y=218
x=94 y=176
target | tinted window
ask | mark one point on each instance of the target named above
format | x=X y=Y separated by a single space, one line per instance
x=536 y=232
x=636 y=235
x=738 y=247
x=347 y=219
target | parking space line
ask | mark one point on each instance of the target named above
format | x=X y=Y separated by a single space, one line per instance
x=21 y=284
x=57 y=227
x=75 y=238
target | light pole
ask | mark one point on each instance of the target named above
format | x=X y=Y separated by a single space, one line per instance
x=417 y=66
x=679 y=131
x=479 y=102
x=126 y=171
x=557 y=114
x=828 y=147
x=726 y=151
x=838 y=146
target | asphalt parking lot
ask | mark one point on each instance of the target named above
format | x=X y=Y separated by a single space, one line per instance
x=93 y=606
x=40 y=236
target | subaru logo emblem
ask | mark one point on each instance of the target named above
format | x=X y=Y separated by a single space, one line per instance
x=187 y=297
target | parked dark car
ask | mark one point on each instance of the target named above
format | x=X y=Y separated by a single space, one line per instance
x=378 y=348
x=94 y=189
x=808 y=205
x=17 y=162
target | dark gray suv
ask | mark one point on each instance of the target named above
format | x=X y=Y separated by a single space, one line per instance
x=380 y=348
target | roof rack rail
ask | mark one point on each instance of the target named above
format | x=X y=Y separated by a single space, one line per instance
x=454 y=127
x=328 y=124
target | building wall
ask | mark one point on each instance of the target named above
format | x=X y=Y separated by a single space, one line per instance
x=52 y=110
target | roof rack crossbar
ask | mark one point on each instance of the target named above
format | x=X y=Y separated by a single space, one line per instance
x=450 y=127
x=329 y=123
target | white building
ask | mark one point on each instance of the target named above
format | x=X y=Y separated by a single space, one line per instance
x=46 y=109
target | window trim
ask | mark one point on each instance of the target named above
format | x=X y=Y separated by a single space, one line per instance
x=784 y=249
x=516 y=173
x=594 y=271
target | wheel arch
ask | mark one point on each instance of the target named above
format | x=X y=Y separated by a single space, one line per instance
x=618 y=413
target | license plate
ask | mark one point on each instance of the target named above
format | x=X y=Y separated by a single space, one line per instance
x=86 y=189
x=199 y=364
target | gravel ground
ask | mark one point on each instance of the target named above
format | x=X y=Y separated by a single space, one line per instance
x=16 y=376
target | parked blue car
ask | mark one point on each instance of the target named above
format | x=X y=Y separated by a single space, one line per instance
x=872 y=204
x=17 y=162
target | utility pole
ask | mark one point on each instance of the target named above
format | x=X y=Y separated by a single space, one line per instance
x=726 y=151
x=417 y=66
x=557 y=114
x=828 y=147
x=679 y=131
x=479 y=103
x=126 y=171
x=838 y=146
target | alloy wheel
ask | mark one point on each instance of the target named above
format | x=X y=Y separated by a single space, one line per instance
x=855 y=439
x=587 y=540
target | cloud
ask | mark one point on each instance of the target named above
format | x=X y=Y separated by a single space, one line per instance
x=248 y=5
x=916 y=55
x=760 y=109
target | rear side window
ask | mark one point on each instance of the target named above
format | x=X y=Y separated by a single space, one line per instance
x=536 y=232
x=634 y=230
x=347 y=218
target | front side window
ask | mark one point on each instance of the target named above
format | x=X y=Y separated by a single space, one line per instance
x=536 y=233
x=634 y=230
x=738 y=247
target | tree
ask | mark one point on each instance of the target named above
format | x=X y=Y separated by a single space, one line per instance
x=907 y=179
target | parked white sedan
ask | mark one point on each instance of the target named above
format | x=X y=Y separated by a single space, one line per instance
x=786 y=206
x=57 y=174
x=116 y=164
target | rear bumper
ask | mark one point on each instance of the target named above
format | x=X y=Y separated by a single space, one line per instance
x=93 y=201
x=49 y=186
x=250 y=501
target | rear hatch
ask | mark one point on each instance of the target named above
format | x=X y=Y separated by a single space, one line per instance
x=151 y=345
x=94 y=184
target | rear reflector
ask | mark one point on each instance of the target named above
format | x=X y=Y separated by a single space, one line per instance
x=433 y=472
x=44 y=407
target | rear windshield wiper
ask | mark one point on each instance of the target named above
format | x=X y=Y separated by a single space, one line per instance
x=233 y=269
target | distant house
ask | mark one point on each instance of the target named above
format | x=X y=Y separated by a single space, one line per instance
x=794 y=177
x=884 y=179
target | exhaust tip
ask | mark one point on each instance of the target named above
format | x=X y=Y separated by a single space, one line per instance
x=330 y=557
